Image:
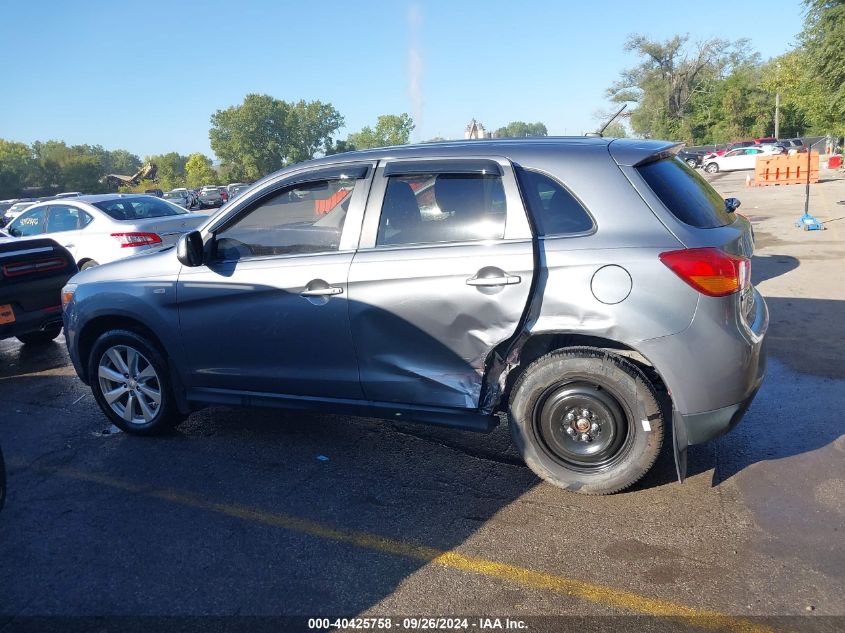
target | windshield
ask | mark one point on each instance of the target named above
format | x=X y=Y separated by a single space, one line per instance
x=138 y=208
x=170 y=195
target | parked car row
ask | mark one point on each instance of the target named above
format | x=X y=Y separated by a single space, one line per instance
x=739 y=155
x=739 y=158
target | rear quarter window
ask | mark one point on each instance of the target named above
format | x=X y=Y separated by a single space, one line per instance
x=687 y=195
x=555 y=211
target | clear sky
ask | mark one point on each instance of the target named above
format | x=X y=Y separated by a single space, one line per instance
x=145 y=75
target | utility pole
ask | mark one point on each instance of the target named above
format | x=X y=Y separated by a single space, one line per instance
x=777 y=101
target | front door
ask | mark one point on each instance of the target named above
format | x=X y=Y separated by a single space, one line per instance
x=268 y=312
x=442 y=276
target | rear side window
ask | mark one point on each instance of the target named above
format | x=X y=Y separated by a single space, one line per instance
x=687 y=195
x=442 y=207
x=139 y=208
x=554 y=209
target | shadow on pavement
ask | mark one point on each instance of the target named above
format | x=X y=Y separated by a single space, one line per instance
x=765 y=267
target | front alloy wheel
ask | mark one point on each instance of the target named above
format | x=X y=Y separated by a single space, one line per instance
x=130 y=379
x=130 y=385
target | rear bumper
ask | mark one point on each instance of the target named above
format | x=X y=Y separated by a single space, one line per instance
x=699 y=428
x=713 y=370
x=33 y=321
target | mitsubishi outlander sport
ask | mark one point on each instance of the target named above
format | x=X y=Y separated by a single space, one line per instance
x=593 y=292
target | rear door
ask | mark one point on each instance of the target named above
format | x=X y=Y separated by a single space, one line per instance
x=65 y=224
x=442 y=275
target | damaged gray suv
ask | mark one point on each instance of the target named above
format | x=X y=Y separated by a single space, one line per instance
x=596 y=292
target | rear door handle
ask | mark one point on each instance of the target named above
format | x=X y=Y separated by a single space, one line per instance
x=321 y=292
x=69 y=245
x=506 y=280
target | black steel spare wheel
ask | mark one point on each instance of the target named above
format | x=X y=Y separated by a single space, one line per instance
x=581 y=425
x=586 y=420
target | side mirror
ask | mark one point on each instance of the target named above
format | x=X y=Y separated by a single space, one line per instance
x=731 y=204
x=189 y=249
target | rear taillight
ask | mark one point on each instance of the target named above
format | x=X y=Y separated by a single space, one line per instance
x=709 y=270
x=14 y=269
x=128 y=240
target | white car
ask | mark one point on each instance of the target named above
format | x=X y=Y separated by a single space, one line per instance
x=736 y=159
x=102 y=228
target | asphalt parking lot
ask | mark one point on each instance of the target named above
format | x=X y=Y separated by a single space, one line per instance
x=255 y=512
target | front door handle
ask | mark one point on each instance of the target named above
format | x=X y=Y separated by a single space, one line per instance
x=69 y=245
x=505 y=280
x=321 y=292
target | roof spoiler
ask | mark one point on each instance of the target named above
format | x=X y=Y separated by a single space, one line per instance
x=634 y=152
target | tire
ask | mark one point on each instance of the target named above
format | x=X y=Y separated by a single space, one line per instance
x=141 y=393
x=88 y=264
x=41 y=337
x=692 y=164
x=624 y=427
x=711 y=168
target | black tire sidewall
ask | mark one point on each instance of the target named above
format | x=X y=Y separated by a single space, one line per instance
x=168 y=413
x=629 y=386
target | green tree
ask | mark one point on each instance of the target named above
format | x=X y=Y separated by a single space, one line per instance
x=198 y=171
x=171 y=169
x=521 y=129
x=823 y=43
x=339 y=147
x=121 y=161
x=615 y=130
x=81 y=172
x=17 y=168
x=671 y=75
x=264 y=134
x=390 y=129
x=310 y=127
x=251 y=138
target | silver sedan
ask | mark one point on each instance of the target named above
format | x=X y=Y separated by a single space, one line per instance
x=103 y=228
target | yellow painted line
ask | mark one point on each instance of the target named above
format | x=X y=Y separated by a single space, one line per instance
x=591 y=592
x=58 y=371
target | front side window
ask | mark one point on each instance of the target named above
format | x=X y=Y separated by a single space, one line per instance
x=30 y=223
x=555 y=211
x=303 y=218
x=434 y=208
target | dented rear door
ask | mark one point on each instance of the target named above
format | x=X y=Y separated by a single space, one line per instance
x=430 y=296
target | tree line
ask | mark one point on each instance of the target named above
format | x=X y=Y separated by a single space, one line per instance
x=717 y=91
x=713 y=91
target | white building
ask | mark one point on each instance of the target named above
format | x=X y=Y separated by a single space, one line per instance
x=475 y=130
